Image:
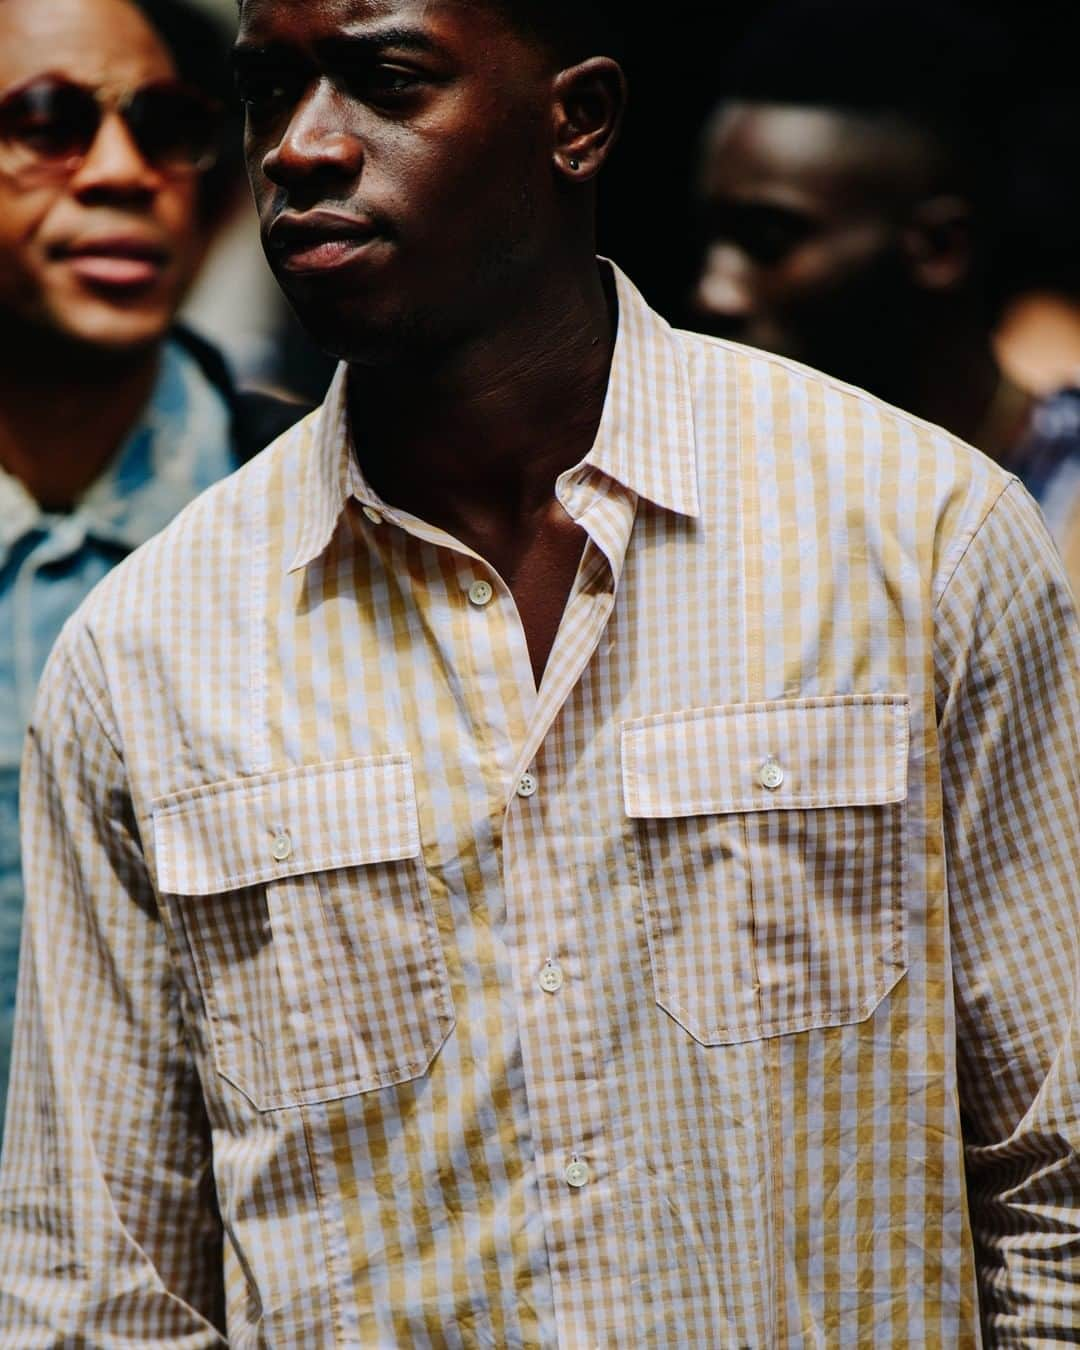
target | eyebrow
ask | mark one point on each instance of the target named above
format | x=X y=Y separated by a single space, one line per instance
x=412 y=39
x=342 y=45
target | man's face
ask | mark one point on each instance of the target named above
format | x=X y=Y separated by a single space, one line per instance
x=101 y=257
x=802 y=251
x=400 y=155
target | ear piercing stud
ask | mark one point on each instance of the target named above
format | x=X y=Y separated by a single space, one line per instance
x=574 y=163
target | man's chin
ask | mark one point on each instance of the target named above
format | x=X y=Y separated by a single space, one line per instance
x=110 y=329
x=358 y=333
x=80 y=346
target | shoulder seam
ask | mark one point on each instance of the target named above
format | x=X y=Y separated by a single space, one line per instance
x=964 y=544
x=63 y=653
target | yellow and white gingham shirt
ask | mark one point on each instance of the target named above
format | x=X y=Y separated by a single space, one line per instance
x=724 y=993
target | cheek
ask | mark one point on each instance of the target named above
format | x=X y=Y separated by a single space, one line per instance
x=23 y=229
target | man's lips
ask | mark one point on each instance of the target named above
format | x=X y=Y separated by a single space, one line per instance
x=319 y=241
x=123 y=261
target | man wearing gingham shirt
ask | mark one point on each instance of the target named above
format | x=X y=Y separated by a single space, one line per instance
x=577 y=844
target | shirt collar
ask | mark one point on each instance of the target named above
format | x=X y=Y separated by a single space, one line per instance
x=645 y=440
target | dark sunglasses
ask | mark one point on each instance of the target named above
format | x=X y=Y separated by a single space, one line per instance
x=48 y=125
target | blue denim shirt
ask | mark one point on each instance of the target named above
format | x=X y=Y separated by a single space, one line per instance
x=1048 y=461
x=50 y=562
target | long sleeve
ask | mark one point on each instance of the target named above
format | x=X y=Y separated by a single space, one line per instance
x=109 y=1233
x=1009 y=713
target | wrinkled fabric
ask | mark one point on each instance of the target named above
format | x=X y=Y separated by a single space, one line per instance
x=721 y=992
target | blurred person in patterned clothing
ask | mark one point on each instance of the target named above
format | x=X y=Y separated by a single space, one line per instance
x=577 y=844
x=111 y=419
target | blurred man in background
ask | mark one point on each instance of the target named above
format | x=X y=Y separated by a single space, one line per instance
x=850 y=190
x=111 y=420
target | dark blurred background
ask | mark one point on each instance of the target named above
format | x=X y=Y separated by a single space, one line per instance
x=676 y=51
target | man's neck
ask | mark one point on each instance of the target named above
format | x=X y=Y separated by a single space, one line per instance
x=476 y=443
x=64 y=416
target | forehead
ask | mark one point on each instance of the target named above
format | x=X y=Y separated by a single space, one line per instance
x=460 y=25
x=93 y=41
x=798 y=156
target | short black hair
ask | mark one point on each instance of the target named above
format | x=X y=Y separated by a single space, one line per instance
x=571 y=29
x=941 y=68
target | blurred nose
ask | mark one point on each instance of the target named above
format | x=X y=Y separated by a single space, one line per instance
x=317 y=144
x=114 y=168
x=725 y=287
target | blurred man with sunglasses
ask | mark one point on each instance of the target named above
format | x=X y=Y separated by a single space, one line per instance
x=110 y=421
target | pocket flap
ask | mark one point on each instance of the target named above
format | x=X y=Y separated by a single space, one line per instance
x=225 y=836
x=850 y=750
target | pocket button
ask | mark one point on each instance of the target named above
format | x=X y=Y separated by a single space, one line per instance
x=551 y=978
x=577 y=1174
x=282 y=849
x=771 y=775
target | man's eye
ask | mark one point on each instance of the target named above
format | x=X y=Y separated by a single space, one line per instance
x=386 y=83
x=771 y=242
x=261 y=94
x=765 y=235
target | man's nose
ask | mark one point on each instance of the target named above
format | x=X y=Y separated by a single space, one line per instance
x=725 y=288
x=318 y=142
x=114 y=166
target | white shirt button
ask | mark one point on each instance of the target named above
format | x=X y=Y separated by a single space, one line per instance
x=771 y=774
x=480 y=593
x=551 y=978
x=372 y=515
x=577 y=1174
x=527 y=785
x=282 y=849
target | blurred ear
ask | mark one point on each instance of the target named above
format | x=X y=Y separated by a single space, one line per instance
x=587 y=105
x=938 y=243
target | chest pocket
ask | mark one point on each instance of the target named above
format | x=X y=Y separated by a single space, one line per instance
x=301 y=901
x=770 y=842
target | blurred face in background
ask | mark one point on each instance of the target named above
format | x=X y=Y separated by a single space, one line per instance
x=804 y=216
x=98 y=251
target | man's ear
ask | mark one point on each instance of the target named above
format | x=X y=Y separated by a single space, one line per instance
x=938 y=242
x=587 y=105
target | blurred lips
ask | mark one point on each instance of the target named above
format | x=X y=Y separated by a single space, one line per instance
x=319 y=241
x=121 y=261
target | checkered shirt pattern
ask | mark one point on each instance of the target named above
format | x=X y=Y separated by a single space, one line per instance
x=721 y=993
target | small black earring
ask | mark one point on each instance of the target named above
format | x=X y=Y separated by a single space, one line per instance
x=574 y=164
